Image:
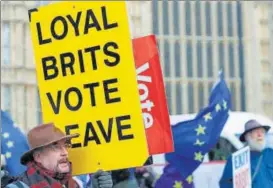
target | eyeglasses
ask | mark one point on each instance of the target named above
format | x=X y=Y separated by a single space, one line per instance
x=58 y=147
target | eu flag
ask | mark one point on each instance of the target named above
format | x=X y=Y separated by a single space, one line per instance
x=194 y=138
x=171 y=178
x=13 y=145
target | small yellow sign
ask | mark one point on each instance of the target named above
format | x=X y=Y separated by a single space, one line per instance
x=87 y=82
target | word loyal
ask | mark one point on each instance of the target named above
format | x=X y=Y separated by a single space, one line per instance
x=62 y=23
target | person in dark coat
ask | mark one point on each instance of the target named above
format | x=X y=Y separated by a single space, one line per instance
x=261 y=158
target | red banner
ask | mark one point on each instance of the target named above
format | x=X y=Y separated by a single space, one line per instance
x=152 y=95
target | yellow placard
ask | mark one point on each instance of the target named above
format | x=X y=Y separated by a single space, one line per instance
x=87 y=82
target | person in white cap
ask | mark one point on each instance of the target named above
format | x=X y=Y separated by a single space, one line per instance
x=3 y=161
x=261 y=158
x=47 y=162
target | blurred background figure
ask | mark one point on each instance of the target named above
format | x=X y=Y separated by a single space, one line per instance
x=145 y=177
x=3 y=162
x=5 y=177
x=123 y=179
x=142 y=177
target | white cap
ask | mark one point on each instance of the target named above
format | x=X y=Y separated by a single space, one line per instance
x=3 y=160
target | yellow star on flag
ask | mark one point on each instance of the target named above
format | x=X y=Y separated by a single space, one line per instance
x=200 y=129
x=189 y=179
x=198 y=156
x=207 y=116
x=8 y=155
x=6 y=135
x=218 y=107
x=225 y=104
x=178 y=184
x=10 y=144
x=199 y=143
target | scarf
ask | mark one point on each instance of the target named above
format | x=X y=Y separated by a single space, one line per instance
x=39 y=177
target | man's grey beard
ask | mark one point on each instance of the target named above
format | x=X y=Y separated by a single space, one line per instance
x=254 y=145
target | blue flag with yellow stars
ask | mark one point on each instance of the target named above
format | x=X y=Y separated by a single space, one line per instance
x=171 y=178
x=13 y=145
x=194 y=138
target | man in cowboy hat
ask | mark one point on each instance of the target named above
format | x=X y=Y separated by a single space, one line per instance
x=47 y=162
x=261 y=158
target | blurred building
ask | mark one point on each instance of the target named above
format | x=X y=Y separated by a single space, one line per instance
x=264 y=29
x=18 y=78
x=195 y=39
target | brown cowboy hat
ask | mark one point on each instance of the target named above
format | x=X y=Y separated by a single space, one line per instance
x=251 y=125
x=41 y=136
